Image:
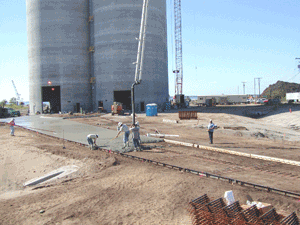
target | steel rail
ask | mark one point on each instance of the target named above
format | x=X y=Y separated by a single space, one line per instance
x=196 y=172
x=260 y=167
x=210 y=175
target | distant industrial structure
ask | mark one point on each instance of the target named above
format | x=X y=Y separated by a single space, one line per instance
x=210 y=100
x=81 y=54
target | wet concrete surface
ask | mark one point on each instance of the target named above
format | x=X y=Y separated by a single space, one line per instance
x=74 y=131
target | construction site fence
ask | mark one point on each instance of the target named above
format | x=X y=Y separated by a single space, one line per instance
x=187 y=115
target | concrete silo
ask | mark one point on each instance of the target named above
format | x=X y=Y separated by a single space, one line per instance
x=116 y=26
x=58 y=40
x=65 y=73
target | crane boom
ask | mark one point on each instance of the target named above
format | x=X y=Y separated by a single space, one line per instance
x=299 y=62
x=17 y=94
x=178 y=47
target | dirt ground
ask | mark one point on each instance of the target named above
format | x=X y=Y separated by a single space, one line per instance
x=111 y=189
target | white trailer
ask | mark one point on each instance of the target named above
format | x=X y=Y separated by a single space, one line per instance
x=293 y=96
x=236 y=99
x=223 y=99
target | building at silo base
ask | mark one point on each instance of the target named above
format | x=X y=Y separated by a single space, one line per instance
x=144 y=94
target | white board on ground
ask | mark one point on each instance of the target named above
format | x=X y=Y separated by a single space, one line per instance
x=55 y=174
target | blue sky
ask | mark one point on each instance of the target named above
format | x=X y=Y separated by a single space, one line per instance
x=225 y=43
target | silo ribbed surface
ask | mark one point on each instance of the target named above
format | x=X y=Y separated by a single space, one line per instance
x=57 y=51
x=116 y=25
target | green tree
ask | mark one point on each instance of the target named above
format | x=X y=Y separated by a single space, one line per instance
x=3 y=103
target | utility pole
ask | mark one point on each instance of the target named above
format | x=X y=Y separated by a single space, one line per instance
x=244 y=82
x=254 y=89
x=258 y=78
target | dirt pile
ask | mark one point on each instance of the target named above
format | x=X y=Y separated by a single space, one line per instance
x=280 y=88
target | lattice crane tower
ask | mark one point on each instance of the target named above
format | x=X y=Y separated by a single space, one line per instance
x=299 y=63
x=178 y=47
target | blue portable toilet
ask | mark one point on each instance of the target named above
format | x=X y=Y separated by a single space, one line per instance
x=151 y=109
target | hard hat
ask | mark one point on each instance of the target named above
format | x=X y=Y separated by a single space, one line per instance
x=137 y=123
x=120 y=124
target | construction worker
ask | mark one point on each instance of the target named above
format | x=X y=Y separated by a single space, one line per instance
x=123 y=128
x=211 y=126
x=135 y=136
x=92 y=138
x=12 y=127
x=138 y=125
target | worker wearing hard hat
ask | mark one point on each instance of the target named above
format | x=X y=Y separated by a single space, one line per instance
x=136 y=136
x=138 y=125
x=123 y=128
x=92 y=138
x=211 y=127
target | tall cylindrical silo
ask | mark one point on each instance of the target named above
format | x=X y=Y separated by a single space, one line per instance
x=116 y=27
x=58 y=42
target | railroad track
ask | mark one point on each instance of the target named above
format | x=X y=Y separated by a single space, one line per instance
x=261 y=167
x=233 y=167
x=214 y=176
x=196 y=172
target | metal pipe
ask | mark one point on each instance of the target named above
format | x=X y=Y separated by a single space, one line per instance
x=140 y=55
x=162 y=135
x=138 y=61
x=143 y=42
x=132 y=102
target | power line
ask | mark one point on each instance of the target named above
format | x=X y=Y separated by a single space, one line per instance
x=293 y=76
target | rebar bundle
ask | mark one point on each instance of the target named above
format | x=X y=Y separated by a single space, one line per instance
x=204 y=211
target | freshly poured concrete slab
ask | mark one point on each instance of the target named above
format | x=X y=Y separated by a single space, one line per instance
x=59 y=173
x=74 y=131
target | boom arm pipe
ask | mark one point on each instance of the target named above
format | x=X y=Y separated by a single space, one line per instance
x=143 y=42
x=141 y=45
x=140 y=55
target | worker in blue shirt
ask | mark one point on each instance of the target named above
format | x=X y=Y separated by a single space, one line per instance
x=211 y=127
